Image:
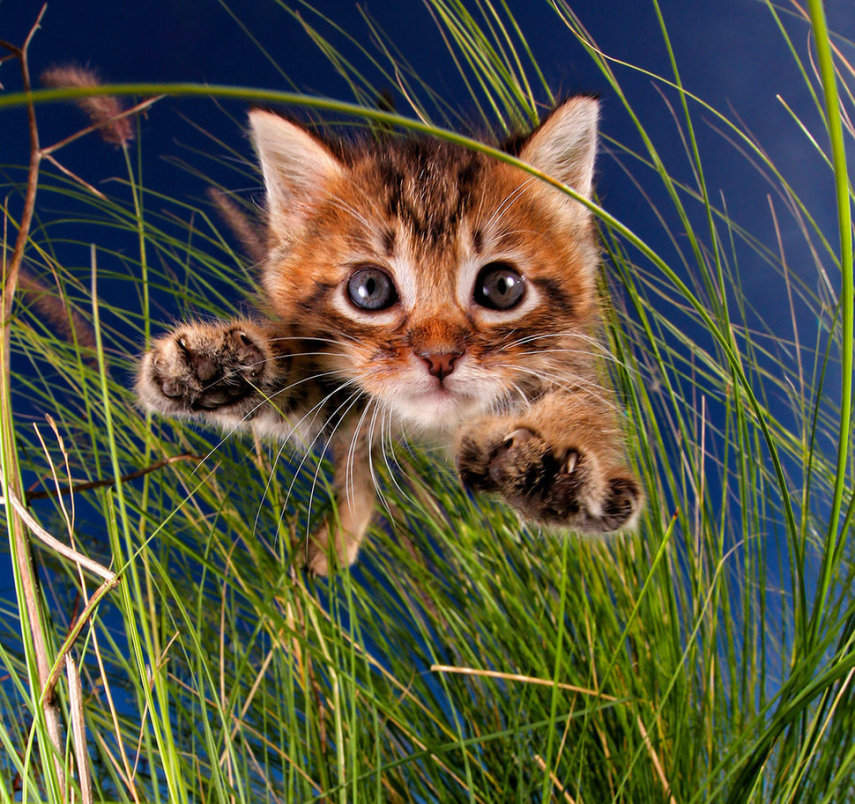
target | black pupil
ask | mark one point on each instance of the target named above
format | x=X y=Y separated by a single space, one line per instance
x=499 y=287
x=371 y=289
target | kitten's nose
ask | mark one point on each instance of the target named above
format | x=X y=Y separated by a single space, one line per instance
x=440 y=365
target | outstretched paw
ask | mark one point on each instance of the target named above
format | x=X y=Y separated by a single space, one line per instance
x=201 y=368
x=553 y=485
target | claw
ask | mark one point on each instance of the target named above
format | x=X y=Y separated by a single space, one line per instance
x=522 y=434
x=572 y=460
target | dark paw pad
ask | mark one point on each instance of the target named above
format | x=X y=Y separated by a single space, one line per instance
x=205 y=373
x=539 y=481
x=562 y=486
x=546 y=484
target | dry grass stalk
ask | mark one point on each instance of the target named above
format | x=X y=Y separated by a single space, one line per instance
x=78 y=729
x=21 y=549
x=42 y=494
x=657 y=764
x=73 y=555
x=554 y=779
x=546 y=682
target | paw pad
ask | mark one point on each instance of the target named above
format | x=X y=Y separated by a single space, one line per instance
x=564 y=486
x=202 y=369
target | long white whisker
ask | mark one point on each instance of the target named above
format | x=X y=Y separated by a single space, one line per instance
x=265 y=399
x=371 y=469
x=574 y=334
x=309 y=447
x=515 y=387
x=564 y=382
x=267 y=486
x=354 y=398
x=509 y=199
x=382 y=497
x=316 y=409
x=271 y=359
x=318 y=338
x=348 y=471
x=610 y=358
x=386 y=425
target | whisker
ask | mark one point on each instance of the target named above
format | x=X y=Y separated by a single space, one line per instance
x=316 y=408
x=267 y=487
x=349 y=461
x=267 y=398
x=382 y=445
x=312 y=338
x=371 y=468
x=575 y=334
x=563 y=383
x=386 y=425
x=608 y=357
x=509 y=199
x=515 y=387
x=309 y=447
x=271 y=359
x=355 y=398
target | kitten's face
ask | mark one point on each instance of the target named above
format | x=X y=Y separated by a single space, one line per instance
x=447 y=283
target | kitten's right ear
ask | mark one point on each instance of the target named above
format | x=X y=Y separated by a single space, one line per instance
x=296 y=168
x=565 y=144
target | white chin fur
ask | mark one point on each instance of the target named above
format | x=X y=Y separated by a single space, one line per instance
x=435 y=412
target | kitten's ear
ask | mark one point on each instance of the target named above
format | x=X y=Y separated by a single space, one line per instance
x=564 y=146
x=296 y=168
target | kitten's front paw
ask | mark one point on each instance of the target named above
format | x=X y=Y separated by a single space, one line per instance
x=555 y=486
x=201 y=368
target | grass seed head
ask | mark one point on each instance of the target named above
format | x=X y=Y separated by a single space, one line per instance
x=103 y=110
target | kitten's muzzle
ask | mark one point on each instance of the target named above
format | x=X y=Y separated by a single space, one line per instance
x=439 y=365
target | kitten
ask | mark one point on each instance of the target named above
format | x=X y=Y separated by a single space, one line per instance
x=417 y=285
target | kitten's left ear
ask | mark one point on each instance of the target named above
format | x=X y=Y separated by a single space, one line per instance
x=297 y=168
x=564 y=146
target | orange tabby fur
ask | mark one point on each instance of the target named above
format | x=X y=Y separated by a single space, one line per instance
x=435 y=236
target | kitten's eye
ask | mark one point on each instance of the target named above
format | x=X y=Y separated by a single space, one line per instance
x=499 y=287
x=371 y=288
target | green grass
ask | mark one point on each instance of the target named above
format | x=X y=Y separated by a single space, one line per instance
x=709 y=657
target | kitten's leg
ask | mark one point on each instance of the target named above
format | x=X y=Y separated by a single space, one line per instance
x=355 y=499
x=225 y=372
x=237 y=373
x=559 y=463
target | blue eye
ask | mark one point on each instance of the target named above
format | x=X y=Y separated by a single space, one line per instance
x=499 y=286
x=371 y=288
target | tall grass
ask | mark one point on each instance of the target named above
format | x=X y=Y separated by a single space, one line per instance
x=708 y=657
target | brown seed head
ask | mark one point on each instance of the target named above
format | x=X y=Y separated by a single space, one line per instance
x=103 y=110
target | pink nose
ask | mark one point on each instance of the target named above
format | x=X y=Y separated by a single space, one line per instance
x=440 y=366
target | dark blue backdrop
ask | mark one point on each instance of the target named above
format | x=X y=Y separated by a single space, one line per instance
x=730 y=53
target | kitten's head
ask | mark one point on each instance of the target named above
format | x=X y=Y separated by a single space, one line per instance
x=447 y=283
